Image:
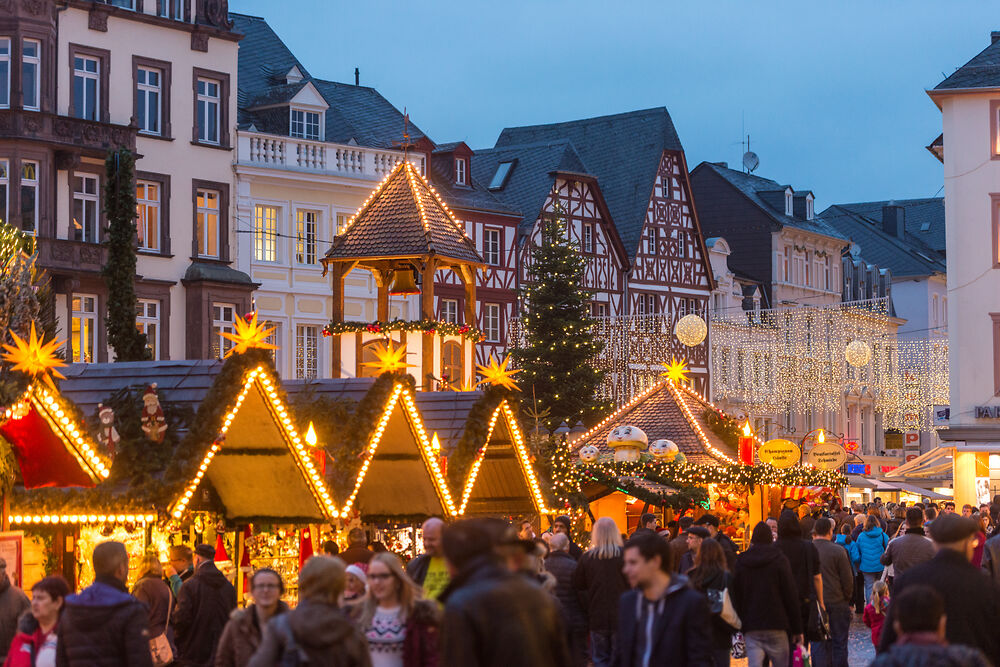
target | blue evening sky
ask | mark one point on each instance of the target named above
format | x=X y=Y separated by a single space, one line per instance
x=832 y=93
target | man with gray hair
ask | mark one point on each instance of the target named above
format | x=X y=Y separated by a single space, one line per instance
x=561 y=565
x=103 y=624
x=13 y=603
x=429 y=569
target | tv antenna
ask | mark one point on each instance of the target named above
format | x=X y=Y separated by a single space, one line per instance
x=750 y=159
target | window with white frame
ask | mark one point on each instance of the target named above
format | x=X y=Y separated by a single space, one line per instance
x=826 y=273
x=86 y=207
x=31 y=70
x=786 y=269
x=652 y=240
x=809 y=208
x=4 y=72
x=491 y=322
x=342 y=220
x=4 y=189
x=305 y=124
x=208 y=110
x=788 y=202
x=172 y=9
x=148 y=95
x=599 y=309
x=807 y=264
x=83 y=328
x=147 y=214
x=265 y=233
x=587 y=237
x=207 y=225
x=274 y=338
x=86 y=87
x=305 y=236
x=306 y=351
x=934 y=310
x=449 y=310
x=147 y=321
x=223 y=321
x=29 y=196
x=944 y=311
x=491 y=246
x=460 y=165
x=652 y=304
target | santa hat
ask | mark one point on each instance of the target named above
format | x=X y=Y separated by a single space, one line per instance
x=356 y=570
x=149 y=394
x=305 y=546
x=220 y=550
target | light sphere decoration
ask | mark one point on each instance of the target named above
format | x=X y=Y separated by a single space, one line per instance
x=691 y=330
x=663 y=449
x=858 y=353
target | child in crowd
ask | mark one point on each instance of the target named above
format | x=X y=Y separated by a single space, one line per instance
x=875 y=611
x=356 y=583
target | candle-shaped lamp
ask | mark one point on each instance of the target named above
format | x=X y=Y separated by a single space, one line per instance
x=746 y=445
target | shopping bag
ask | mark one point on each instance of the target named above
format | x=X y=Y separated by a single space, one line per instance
x=739 y=650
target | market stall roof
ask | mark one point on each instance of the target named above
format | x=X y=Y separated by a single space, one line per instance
x=182 y=382
x=347 y=389
x=401 y=475
x=665 y=411
x=52 y=449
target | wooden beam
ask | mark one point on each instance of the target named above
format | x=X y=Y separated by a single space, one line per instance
x=427 y=312
x=339 y=270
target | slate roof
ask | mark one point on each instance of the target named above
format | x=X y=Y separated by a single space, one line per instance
x=909 y=256
x=446 y=413
x=983 y=71
x=403 y=218
x=473 y=196
x=753 y=186
x=344 y=389
x=659 y=414
x=356 y=114
x=622 y=150
x=531 y=179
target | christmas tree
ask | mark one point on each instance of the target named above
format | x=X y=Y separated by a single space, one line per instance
x=558 y=347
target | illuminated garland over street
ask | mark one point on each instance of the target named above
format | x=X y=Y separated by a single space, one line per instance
x=687 y=474
x=429 y=327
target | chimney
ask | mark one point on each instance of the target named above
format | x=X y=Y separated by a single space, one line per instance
x=893 y=219
x=994 y=36
x=357 y=76
x=724 y=165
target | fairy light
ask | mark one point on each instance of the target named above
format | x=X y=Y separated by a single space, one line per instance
x=73 y=438
x=80 y=519
x=705 y=442
x=267 y=386
x=470 y=481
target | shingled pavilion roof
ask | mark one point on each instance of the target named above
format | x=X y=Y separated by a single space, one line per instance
x=404 y=218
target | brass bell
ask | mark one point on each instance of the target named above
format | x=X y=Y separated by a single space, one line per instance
x=403 y=283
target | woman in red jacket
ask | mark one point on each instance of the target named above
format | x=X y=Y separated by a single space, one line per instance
x=35 y=642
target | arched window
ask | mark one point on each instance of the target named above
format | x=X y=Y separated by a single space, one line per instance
x=451 y=364
x=367 y=354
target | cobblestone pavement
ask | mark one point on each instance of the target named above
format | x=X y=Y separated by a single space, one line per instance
x=860 y=651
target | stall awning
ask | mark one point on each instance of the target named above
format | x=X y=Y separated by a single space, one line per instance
x=918 y=491
x=803 y=492
x=868 y=483
x=934 y=463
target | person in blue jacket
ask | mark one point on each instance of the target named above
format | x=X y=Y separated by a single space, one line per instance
x=871 y=544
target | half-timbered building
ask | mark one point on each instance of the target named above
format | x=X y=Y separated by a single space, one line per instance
x=638 y=161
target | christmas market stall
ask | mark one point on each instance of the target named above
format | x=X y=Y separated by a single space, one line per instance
x=203 y=451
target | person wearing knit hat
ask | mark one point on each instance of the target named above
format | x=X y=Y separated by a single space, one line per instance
x=971 y=599
x=766 y=600
x=202 y=611
x=356 y=582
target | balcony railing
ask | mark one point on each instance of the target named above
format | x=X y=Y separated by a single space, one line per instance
x=275 y=151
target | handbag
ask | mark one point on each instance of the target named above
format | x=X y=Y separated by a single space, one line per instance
x=739 y=650
x=159 y=646
x=728 y=613
x=715 y=599
x=818 y=628
x=801 y=657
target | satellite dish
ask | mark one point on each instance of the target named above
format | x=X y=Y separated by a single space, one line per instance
x=750 y=161
x=855 y=250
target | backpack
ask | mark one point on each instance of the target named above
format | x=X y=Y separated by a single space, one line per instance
x=292 y=655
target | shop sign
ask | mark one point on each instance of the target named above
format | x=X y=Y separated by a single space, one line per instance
x=988 y=412
x=942 y=415
x=910 y=457
x=827 y=456
x=859 y=469
x=780 y=453
x=885 y=469
x=851 y=445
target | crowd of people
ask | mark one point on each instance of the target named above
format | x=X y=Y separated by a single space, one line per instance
x=925 y=579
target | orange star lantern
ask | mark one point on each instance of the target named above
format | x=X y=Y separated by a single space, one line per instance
x=390 y=358
x=34 y=357
x=498 y=374
x=250 y=334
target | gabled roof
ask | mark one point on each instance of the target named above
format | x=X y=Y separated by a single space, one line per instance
x=531 y=178
x=622 y=150
x=357 y=114
x=757 y=188
x=404 y=218
x=983 y=71
x=923 y=218
x=474 y=196
x=665 y=411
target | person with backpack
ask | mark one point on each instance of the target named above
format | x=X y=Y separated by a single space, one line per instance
x=316 y=632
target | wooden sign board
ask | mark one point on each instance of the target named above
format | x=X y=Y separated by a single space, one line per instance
x=12 y=551
x=828 y=456
x=779 y=452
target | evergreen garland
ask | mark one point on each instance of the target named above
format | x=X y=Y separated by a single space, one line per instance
x=119 y=272
x=559 y=341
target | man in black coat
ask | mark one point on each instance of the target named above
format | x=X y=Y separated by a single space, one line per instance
x=662 y=621
x=971 y=598
x=562 y=566
x=103 y=624
x=493 y=617
x=766 y=599
x=203 y=608
x=564 y=525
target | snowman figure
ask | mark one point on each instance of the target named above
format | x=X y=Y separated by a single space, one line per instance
x=628 y=442
x=107 y=434
x=589 y=453
x=154 y=424
x=663 y=449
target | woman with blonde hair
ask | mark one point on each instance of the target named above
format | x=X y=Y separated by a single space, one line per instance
x=401 y=628
x=601 y=581
x=316 y=631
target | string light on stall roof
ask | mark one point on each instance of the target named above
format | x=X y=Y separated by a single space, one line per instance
x=70 y=519
x=58 y=418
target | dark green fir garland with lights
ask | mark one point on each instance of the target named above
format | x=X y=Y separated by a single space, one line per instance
x=688 y=474
x=430 y=327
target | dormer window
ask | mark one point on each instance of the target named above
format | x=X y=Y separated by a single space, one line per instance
x=305 y=125
x=788 y=202
x=809 y=207
x=501 y=175
x=294 y=75
x=460 y=165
